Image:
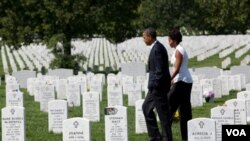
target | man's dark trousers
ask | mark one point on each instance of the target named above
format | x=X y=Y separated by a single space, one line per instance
x=157 y=99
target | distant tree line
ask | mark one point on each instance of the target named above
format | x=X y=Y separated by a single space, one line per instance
x=211 y=16
x=52 y=21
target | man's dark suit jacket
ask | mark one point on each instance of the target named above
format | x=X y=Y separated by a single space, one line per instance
x=159 y=76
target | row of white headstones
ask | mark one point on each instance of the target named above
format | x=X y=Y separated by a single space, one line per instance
x=75 y=128
x=102 y=54
x=33 y=56
x=72 y=88
x=235 y=112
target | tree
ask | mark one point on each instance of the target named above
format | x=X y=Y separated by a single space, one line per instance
x=165 y=14
x=238 y=15
x=13 y=30
x=222 y=16
x=60 y=21
x=116 y=19
x=25 y=21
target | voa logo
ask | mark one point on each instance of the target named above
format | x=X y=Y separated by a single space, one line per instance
x=236 y=132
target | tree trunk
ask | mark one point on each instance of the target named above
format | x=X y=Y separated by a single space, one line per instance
x=67 y=59
x=67 y=46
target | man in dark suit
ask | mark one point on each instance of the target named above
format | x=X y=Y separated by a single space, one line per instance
x=158 y=86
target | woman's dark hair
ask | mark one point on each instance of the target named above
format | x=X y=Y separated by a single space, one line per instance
x=175 y=35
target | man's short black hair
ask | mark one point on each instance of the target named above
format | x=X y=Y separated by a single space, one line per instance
x=151 y=32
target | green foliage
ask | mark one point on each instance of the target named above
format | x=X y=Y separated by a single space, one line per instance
x=12 y=23
x=214 y=16
x=116 y=20
x=222 y=16
x=27 y=21
x=2 y=76
x=165 y=14
x=60 y=21
x=67 y=61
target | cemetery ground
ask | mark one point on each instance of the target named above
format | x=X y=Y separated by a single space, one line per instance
x=214 y=60
x=37 y=121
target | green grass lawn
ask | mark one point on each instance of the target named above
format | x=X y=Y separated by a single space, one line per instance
x=1 y=65
x=37 y=121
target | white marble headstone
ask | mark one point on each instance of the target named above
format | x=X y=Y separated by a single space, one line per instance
x=115 y=96
x=231 y=83
x=30 y=85
x=133 y=68
x=100 y=77
x=245 y=95
x=76 y=129
x=12 y=87
x=47 y=94
x=14 y=99
x=72 y=79
x=240 y=113
x=37 y=89
x=195 y=78
x=13 y=124
x=57 y=113
x=91 y=106
x=126 y=81
x=116 y=123
x=73 y=94
x=243 y=81
x=134 y=93
x=224 y=84
x=201 y=129
x=217 y=87
x=61 y=89
x=241 y=70
x=222 y=116
x=82 y=80
x=207 y=85
x=22 y=77
x=140 y=124
x=113 y=79
x=196 y=95
x=10 y=79
x=208 y=72
x=140 y=79
x=97 y=87
x=237 y=82
x=62 y=73
x=248 y=87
